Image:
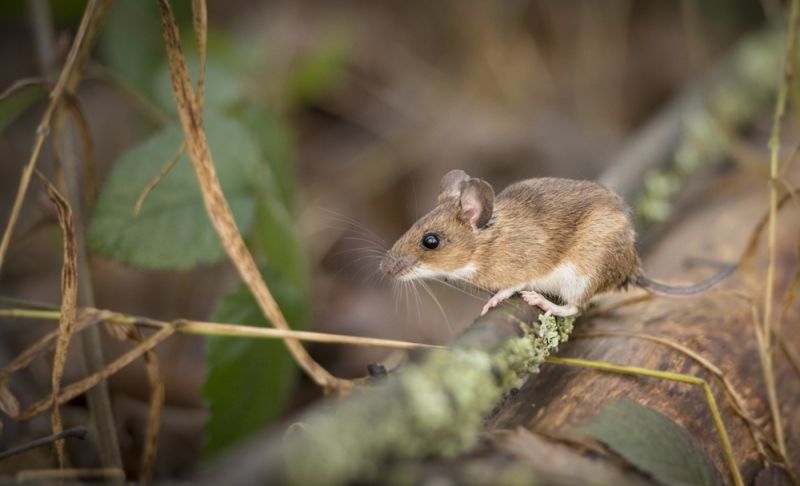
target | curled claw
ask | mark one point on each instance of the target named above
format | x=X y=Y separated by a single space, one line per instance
x=496 y=300
x=538 y=300
x=489 y=305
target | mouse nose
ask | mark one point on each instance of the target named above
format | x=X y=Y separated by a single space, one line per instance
x=393 y=265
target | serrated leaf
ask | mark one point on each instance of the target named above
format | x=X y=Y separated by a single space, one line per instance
x=249 y=380
x=172 y=231
x=653 y=443
x=18 y=101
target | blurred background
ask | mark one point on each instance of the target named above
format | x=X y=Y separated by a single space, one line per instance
x=331 y=123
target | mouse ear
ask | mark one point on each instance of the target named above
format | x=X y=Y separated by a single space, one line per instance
x=450 y=186
x=477 y=203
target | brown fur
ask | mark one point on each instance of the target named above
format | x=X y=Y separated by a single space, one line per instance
x=534 y=226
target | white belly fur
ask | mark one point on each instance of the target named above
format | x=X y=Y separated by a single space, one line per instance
x=563 y=282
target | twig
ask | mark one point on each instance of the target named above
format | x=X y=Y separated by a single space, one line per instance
x=200 y=21
x=45 y=475
x=217 y=206
x=220 y=329
x=157 y=179
x=23 y=83
x=74 y=432
x=87 y=146
x=44 y=344
x=74 y=389
x=28 y=304
x=153 y=427
x=64 y=147
x=774 y=145
x=44 y=125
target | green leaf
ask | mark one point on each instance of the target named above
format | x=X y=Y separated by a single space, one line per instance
x=653 y=443
x=172 y=231
x=249 y=380
x=15 y=103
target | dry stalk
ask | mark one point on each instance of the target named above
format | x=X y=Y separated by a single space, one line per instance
x=72 y=104
x=78 y=51
x=217 y=206
x=200 y=21
x=765 y=350
x=73 y=390
x=156 y=407
x=137 y=208
x=69 y=299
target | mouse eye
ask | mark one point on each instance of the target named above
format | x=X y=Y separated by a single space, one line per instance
x=430 y=241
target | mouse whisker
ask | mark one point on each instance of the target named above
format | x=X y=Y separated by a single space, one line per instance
x=373 y=244
x=464 y=291
x=396 y=296
x=439 y=305
x=357 y=234
x=407 y=295
x=348 y=221
x=415 y=292
x=361 y=249
x=360 y=269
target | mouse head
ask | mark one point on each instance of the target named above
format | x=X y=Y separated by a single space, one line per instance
x=441 y=243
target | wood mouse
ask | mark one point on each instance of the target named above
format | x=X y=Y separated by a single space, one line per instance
x=549 y=239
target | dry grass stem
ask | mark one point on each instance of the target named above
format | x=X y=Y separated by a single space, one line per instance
x=217 y=206
x=73 y=390
x=214 y=329
x=747 y=260
x=46 y=342
x=47 y=475
x=65 y=79
x=156 y=406
x=200 y=22
x=157 y=179
x=22 y=84
x=774 y=144
x=87 y=147
x=164 y=330
x=74 y=432
x=69 y=299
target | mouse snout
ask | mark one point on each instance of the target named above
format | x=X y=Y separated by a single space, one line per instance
x=395 y=266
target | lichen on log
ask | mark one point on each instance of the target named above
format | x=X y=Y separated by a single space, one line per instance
x=431 y=408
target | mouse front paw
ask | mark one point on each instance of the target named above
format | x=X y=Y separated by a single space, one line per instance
x=496 y=300
x=538 y=300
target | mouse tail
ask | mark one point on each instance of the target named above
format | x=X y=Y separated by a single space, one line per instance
x=658 y=288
